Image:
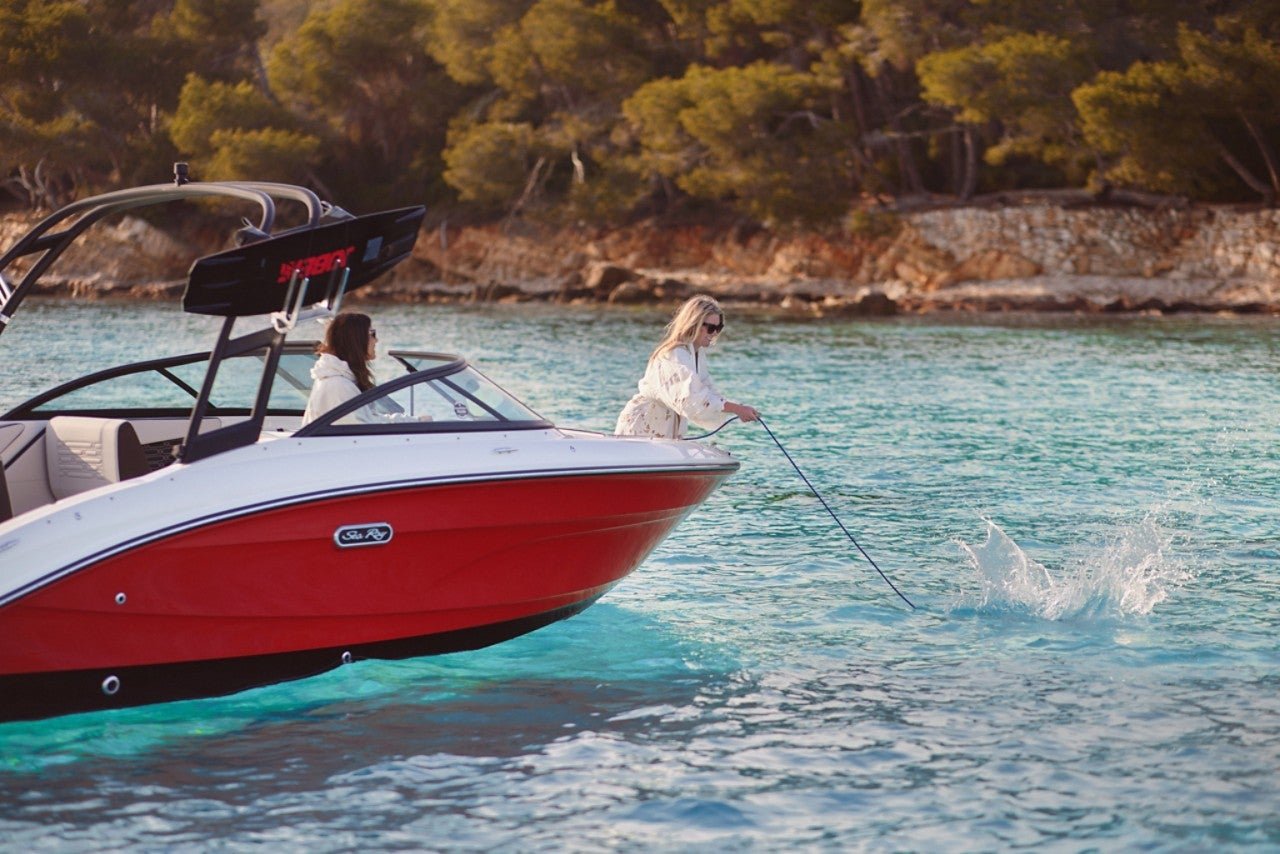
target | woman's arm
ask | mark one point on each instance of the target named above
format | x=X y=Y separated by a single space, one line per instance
x=744 y=412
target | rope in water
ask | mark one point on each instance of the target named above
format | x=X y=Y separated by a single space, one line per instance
x=817 y=495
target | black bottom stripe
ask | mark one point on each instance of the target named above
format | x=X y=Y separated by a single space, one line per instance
x=30 y=696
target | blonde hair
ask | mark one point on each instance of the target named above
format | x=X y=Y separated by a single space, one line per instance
x=683 y=328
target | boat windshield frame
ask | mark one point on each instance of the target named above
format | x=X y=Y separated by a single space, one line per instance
x=444 y=365
x=31 y=408
x=28 y=410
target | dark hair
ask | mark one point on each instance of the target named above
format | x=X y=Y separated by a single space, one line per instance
x=348 y=338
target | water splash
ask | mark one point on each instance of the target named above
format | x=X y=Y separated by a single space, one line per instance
x=1129 y=574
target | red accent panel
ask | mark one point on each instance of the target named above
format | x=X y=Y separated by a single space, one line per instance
x=462 y=556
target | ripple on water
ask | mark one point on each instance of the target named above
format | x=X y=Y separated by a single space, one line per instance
x=1098 y=672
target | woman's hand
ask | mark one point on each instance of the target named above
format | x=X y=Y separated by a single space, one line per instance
x=744 y=412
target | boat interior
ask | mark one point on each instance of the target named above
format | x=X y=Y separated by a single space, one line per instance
x=85 y=434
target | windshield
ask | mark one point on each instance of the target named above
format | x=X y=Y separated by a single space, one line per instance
x=465 y=396
x=448 y=394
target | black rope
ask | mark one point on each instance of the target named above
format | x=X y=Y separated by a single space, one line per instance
x=829 y=510
x=732 y=418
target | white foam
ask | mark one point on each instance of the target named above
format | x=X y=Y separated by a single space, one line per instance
x=1128 y=574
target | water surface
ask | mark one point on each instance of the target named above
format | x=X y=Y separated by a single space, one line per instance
x=1083 y=511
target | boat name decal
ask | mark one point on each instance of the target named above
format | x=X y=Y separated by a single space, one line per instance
x=369 y=534
x=314 y=265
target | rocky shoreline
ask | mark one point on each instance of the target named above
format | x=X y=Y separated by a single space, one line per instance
x=1029 y=257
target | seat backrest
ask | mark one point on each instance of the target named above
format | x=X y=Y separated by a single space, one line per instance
x=6 y=506
x=83 y=453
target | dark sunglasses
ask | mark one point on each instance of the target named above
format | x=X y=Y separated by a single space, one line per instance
x=714 y=328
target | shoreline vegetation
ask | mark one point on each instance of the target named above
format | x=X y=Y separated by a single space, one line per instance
x=818 y=157
x=1026 y=254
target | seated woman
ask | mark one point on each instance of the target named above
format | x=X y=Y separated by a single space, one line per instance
x=342 y=371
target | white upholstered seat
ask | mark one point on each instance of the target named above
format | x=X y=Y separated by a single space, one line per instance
x=83 y=453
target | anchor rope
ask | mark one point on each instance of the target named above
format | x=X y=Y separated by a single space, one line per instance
x=817 y=495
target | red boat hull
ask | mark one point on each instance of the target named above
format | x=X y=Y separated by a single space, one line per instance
x=269 y=596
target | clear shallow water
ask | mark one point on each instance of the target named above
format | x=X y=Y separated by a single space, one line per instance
x=1084 y=512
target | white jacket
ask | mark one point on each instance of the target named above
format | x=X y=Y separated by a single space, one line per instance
x=674 y=390
x=332 y=383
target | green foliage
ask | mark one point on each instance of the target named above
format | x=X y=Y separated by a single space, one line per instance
x=562 y=70
x=782 y=110
x=1237 y=69
x=872 y=224
x=46 y=71
x=41 y=43
x=749 y=137
x=1133 y=117
x=614 y=190
x=246 y=155
x=354 y=64
x=463 y=35
x=1023 y=84
x=236 y=132
x=204 y=108
x=359 y=71
x=567 y=52
x=218 y=37
x=742 y=31
x=86 y=86
x=489 y=163
x=1201 y=124
x=897 y=33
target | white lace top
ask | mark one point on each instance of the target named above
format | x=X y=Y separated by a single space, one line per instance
x=674 y=390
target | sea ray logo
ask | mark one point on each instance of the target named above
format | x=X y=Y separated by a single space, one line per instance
x=368 y=534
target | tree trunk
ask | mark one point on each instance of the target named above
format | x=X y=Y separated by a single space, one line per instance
x=1268 y=156
x=907 y=161
x=970 y=165
x=531 y=186
x=911 y=180
x=866 y=173
x=260 y=77
x=319 y=185
x=1255 y=183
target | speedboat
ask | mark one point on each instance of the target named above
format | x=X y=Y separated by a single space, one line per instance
x=169 y=529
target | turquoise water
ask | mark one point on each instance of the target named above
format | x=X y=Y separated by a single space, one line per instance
x=1083 y=510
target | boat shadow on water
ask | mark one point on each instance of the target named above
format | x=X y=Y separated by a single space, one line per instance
x=610 y=668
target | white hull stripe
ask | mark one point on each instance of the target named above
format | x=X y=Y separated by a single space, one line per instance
x=321 y=495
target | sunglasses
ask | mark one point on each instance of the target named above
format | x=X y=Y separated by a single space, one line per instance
x=714 y=328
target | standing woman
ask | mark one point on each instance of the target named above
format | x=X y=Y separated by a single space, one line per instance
x=676 y=388
x=342 y=371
